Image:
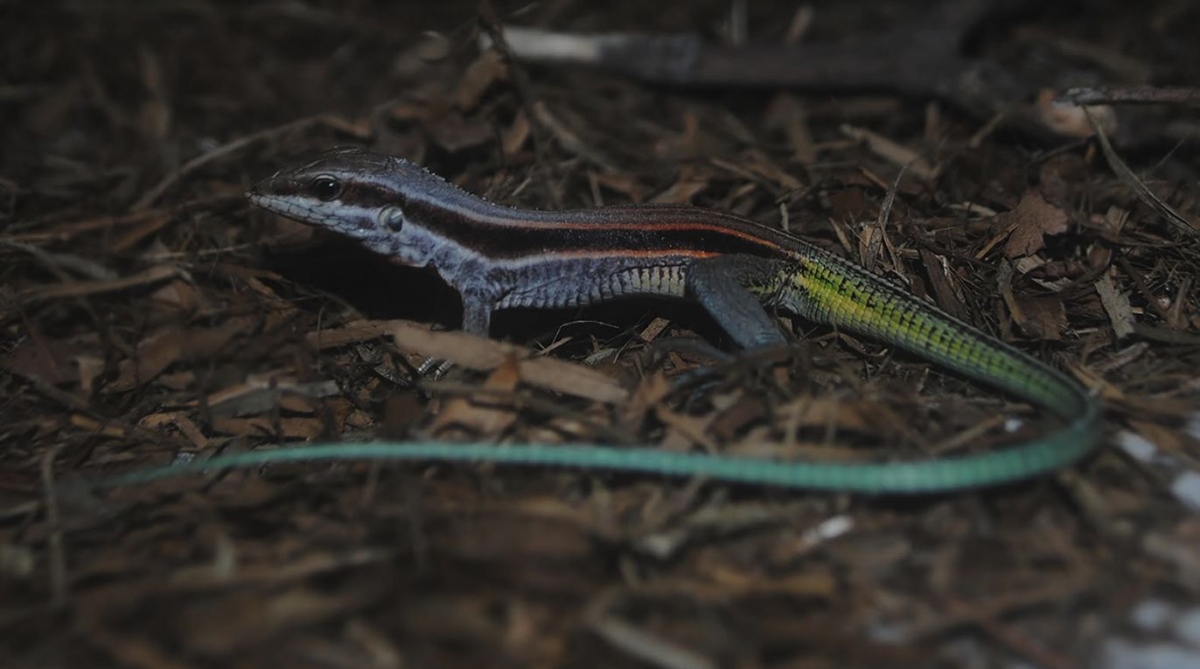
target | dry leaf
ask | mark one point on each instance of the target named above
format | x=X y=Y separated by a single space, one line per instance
x=159 y=351
x=487 y=415
x=1041 y=317
x=1030 y=222
x=49 y=362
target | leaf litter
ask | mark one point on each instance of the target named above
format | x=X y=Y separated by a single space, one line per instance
x=202 y=335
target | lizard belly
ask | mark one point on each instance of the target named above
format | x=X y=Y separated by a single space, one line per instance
x=576 y=282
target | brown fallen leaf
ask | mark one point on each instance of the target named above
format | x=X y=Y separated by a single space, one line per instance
x=1041 y=317
x=159 y=351
x=1030 y=222
x=49 y=361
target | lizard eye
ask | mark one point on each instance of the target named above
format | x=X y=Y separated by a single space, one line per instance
x=325 y=188
x=392 y=218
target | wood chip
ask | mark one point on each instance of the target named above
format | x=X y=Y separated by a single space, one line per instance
x=482 y=355
x=1116 y=305
x=487 y=416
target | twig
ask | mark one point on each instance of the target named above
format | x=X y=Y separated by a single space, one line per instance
x=151 y=196
x=1126 y=175
x=1132 y=95
x=497 y=39
x=58 y=560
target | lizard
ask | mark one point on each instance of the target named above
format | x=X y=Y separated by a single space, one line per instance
x=738 y=270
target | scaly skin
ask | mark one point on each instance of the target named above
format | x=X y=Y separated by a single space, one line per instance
x=499 y=257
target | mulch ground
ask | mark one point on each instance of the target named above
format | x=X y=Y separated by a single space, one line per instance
x=150 y=314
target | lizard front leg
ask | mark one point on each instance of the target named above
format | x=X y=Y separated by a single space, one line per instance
x=477 y=312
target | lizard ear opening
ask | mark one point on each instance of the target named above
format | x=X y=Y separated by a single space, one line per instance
x=392 y=218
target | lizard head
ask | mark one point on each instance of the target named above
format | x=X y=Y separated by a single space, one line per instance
x=359 y=194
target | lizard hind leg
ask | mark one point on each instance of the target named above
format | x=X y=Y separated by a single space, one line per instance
x=720 y=286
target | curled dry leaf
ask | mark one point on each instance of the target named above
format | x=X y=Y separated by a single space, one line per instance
x=1030 y=222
